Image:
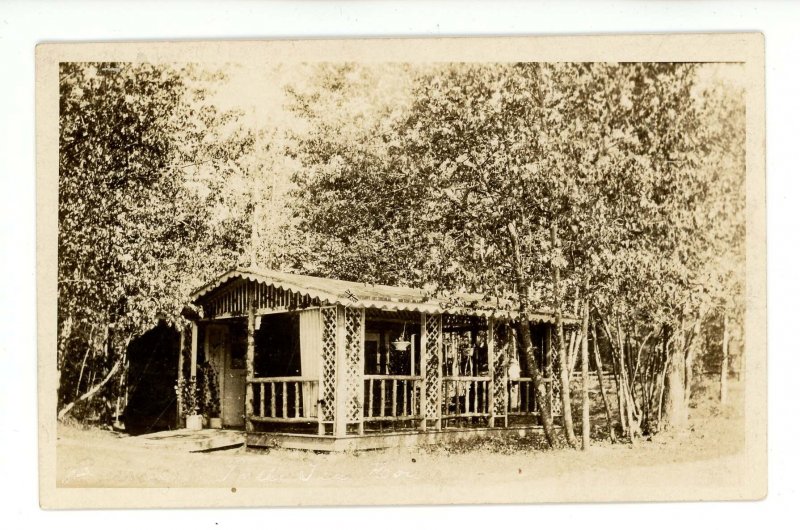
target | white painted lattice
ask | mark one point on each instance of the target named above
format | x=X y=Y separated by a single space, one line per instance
x=328 y=393
x=354 y=360
x=500 y=369
x=433 y=334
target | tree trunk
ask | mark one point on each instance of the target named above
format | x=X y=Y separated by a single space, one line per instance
x=527 y=342
x=618 y=382
x=547 y=369
x=617 y=369
x=566 y=402
x=585 y=426
x=662 y=374
x=62 y=343
x=83 y=364
x=723 y=371
x=629 y=416
x=92 y=391
x=599 y=365
x=573 y=351
x=675 y=412
x=122 y=392
x=640 y=375
x=691 y=355
x=738 y=336
x=633 y=428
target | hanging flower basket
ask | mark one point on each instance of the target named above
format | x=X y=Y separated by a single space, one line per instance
x=401 y=345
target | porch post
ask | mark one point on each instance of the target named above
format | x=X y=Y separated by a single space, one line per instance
x=490 y=362
x=423 y=372
x=251 y=350
x=547 y=358
x=321 y=380
x=340 y=410
x=193 y=364
x=359 y=387
x=509 y=350
x=193 y=361
x=179 y=397
x=413 y=354
x=439 y=362
x=510 y=343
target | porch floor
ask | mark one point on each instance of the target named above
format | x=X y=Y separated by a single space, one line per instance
x=377 y=440
x=191 y=441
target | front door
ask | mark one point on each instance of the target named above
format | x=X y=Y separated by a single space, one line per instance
x=234 y=378
x=227 y=351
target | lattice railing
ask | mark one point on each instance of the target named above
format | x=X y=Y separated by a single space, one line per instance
x=354 y=363
x=501 y=349
x=328 y=393
x=433 y=341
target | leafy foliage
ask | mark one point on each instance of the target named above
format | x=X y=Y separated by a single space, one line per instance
x=209 y=390
x=627 y=179
x=636 y=169
x=143 y=209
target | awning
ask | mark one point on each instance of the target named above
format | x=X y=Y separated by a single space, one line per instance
x=376 y=296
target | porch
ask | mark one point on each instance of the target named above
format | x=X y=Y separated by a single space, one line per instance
x=331 y=365
x=377 y=440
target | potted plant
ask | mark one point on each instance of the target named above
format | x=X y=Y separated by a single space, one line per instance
x=210 y=399
x=191 y=406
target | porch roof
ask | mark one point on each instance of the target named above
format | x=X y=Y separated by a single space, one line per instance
x=375 y=296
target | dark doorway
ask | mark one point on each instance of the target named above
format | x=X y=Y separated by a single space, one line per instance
x=152 y=374
x=277 y=346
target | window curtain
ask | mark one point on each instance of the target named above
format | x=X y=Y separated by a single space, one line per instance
x=310 y=358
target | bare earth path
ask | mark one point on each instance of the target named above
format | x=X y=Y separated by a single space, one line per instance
x=703 y=459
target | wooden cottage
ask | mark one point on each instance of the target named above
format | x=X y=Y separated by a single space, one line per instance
x=323 y=364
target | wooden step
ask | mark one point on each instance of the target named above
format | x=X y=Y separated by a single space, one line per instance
x=191 y=441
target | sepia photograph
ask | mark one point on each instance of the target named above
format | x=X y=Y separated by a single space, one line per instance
x=429 y=271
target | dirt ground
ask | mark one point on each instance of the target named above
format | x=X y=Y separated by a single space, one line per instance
x=705 y=456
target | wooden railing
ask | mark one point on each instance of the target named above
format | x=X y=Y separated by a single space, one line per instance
x=391 y=397
x=285 y=399
x=466 y=396
x=522 y=397
x=522 y=400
